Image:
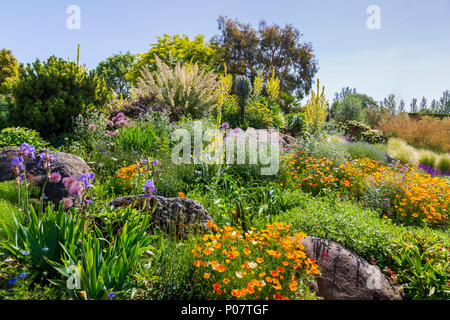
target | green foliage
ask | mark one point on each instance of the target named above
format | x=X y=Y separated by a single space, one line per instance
x=243 y=90
x=422 y=265
x=444 y=164
x=320 y=147
x=115 y=69
x=48 y=94
x=296 y=123
x=17 y=136
x=353 y=107
x=358 y=131
x=428 y=159
x=366 y=150
x=316 y=110
x=176 y=49
x=246 y=50
x=106 y=266
x=9 y=69
x=145 y=137
x=7 y=210
x=8 y=191
x=39 y=240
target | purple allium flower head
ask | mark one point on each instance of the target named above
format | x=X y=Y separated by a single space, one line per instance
x=74 y=190
x=68 y=203
x=68 y=181
x=55 y=177
x=225 y=125
x=110 y=123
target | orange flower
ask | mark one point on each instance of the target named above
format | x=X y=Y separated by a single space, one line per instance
x=216 y=286
x=259 y=260
x=273 y=273
x=181 y=195
x=206 y=275
x=226 y=280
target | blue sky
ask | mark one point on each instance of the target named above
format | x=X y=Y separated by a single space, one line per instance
x=409 y=56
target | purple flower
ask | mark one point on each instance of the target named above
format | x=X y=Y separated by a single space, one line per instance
x=45 y=160
x=55 y=177
x=17 y=164
x=154 y=162
x=22 y=275
x=92 y=126
x=111 y=295
x=45 y=249
x=149 y=188
x=25 y=253
x=12 y=281
x=225 y=125
x=27 y=150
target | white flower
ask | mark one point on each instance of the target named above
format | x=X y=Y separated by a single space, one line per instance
x=239 y=274
x=252 y=264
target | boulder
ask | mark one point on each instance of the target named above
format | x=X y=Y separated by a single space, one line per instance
x=64 y=163
x=178 y=215
x=347 y=276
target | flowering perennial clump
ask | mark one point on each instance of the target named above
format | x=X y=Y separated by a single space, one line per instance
x=258 y=264
x=415 y=196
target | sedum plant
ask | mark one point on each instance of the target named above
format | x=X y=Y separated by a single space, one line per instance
x=186 y=86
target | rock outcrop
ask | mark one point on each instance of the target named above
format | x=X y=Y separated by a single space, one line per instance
x=65 y=163
x=347 y=276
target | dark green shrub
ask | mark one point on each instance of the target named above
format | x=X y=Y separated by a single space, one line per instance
x=48 y=94
x=17 y=136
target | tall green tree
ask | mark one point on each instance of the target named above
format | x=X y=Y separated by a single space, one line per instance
x=9 y=70
x=174 y=49
x=115 y=69
x=245 y=50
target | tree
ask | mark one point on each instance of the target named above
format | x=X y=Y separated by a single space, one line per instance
x=114 y=70
x=177 y=49
x=246 y=50
x=413 y=105
x=402 y=106
x=352 y=107
x=390 y=104
x=423 y=104
x=48 y=93
x=444 y=103
x=9 y=70
x=339 y=97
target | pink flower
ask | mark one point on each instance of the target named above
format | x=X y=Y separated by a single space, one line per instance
x=55 y=177
x=68 y=203
x=92 y=126
x=68 y=182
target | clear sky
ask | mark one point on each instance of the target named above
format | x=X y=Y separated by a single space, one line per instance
x=409 y=56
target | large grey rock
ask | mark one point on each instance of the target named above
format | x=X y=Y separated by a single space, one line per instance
x=347 y=276
x=178 y=215
x=64 y=163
